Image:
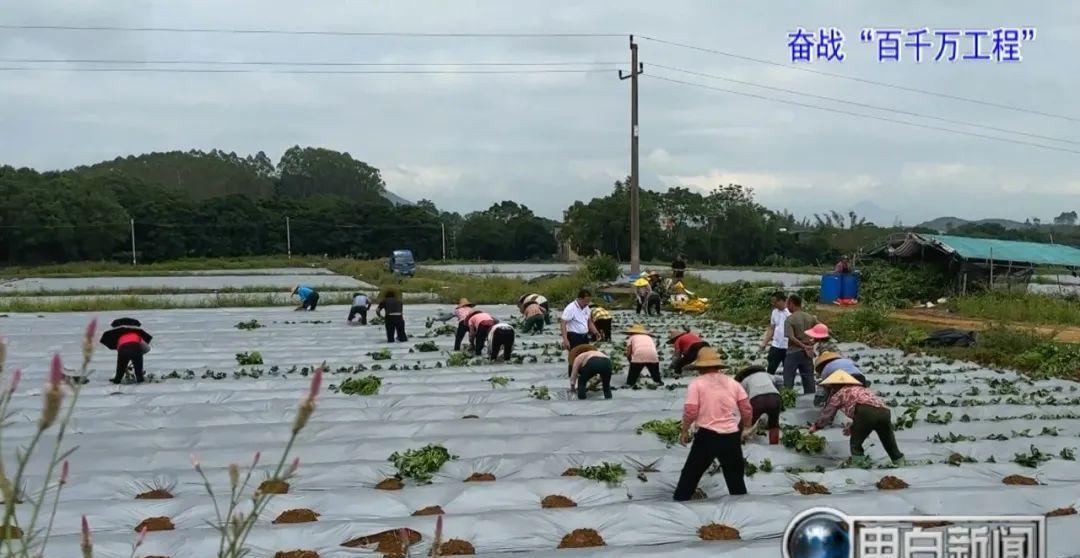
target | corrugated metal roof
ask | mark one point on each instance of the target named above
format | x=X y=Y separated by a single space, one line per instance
x=1008 y=250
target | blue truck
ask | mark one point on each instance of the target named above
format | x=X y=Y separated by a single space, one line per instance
x=401 y=262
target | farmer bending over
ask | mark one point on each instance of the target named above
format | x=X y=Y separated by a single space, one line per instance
x=130 y=342
x=867 y=411
x=501 y=338
x=586 y=361
x=360 y=306
x=309 y=298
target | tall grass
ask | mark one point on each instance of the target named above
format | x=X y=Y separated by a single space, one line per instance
x=1019 y=307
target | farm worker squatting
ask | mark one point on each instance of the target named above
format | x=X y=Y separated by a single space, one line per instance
x=309 y=298
x=867 y=411
x=641 y=352
x=360 y=306
x=535 y=317
x=130 y=342
x=717 y=404
x=829 y=362
x=586 y=362
x=764 y=400
x=391 y=309
x=525 y=300
x=686 y=344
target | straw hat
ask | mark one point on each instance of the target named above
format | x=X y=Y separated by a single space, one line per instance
x=840 y=378
x=708 y=357
x=636 y=329
x=820 y=331
x=825 y=358
x=463 y=302
x=640 y=282
x=673 y=334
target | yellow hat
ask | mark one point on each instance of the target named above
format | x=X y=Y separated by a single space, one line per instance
x=462 y=302
x=825 y=358
x=840 y=378
x=707 y=357
x=636 y=329
x=640 y=283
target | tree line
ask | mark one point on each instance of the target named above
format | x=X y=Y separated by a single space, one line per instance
x=216 y=204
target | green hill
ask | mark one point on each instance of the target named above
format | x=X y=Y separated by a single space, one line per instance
x=202 y=175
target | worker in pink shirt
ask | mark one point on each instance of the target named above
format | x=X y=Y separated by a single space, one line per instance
x=641 y=352
x=720 y=407
x=586 y=362
x=480 y=324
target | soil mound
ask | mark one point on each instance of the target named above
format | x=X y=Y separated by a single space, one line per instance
x=890 y=482
x=297 y=554
x=272 y=486
x=557 y=501
x=1019 y=480
x=456 y=547
x=155 y=524
x=430 y=510
x=806 y=488
x=389 y=543
x=582 y=538
x=717 y=532
x=480 y=477
x=572 y=472
x=390 y=484
x=300 y=515
x=155 y=494
x=1061 y=512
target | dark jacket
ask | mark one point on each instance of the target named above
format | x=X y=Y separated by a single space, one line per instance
x=390 y=306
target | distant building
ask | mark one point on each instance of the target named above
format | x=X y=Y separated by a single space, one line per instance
x=564 y=253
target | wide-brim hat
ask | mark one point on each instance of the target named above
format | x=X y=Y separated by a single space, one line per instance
x=636 y=329
x=708 y=357
x=463 y=302
x=640 y=282
x=120 y=322
x=673 y=334
x=840 y=378
x=825 y=358
x=820 y=331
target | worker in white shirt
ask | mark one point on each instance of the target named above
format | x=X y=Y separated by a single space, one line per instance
x=576 y=322
x=774 y=338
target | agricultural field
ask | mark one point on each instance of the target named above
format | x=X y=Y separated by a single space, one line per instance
x=407 y=431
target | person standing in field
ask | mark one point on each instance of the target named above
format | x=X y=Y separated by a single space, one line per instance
x=641 y=353
x=800 y=351
x=718 y=405
x=764 y=400
x=391 y=310
x=360 y=306
x=309 y=297
x=586 y=361
x=602 y=319
x=686 y=345
x=775 y=336
x=130 y=342
x=576 y=323
x=867 y=411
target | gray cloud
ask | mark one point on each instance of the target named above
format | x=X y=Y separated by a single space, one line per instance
x=549 y=139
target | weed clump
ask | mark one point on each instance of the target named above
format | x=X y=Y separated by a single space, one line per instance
x=611 y=473
x=667 y=430
x=540 y=392
x=381 y=354
x=249 y=358
x=249 y=325
x=365 y=385
x=426 y=347
x=802 y=441
x=421 y=464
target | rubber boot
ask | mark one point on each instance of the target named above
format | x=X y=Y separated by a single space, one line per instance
x=774 y=436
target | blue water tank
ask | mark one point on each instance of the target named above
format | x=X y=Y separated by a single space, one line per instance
x=831 y=287
x=849 y=286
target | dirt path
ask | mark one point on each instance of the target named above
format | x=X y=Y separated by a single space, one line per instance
x=1064 y=334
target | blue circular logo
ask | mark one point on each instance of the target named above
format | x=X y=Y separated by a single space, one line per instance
x=821 y=534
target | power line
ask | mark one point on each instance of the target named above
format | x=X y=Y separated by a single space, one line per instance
x=865 y=105
x=861 y=115
x=321 y=72
x=864 y=80
x=284 y=63
x=306 y=32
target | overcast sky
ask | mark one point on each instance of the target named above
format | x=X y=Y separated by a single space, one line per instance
x=546 y=140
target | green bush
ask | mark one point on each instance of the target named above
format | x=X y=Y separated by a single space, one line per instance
x=897 y=286
x=788 y=397
x=860 y=323
x=601 y=268
x=249 y=359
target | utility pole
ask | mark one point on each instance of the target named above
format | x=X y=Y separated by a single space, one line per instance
x=133 y=260
x=635 y=227
x=443 y=240
x=288 y=237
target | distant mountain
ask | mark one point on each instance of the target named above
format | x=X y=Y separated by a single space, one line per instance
x=395 y=199
x=945 y=224
x=876 y=214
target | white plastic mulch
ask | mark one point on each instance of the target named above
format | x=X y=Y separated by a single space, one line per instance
x=133 y=438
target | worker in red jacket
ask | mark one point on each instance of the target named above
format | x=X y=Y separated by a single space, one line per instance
x=130 y=342
x=686 y=344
